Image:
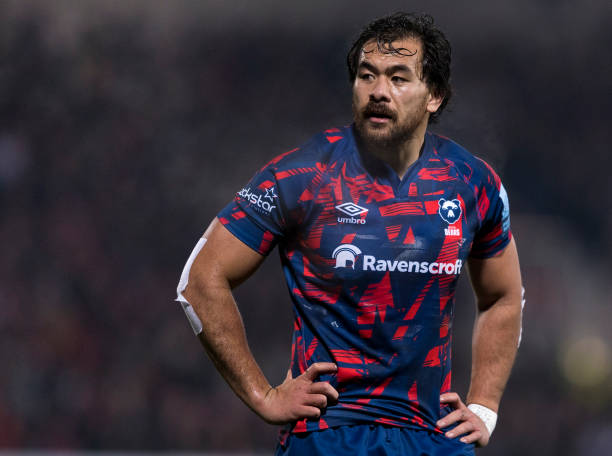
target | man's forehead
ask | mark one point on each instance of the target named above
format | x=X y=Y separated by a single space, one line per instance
x=407 y=47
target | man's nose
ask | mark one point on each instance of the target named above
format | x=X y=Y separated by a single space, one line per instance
x=380 y=90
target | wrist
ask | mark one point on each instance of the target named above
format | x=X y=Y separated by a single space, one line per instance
x=267 y=406
x=488 y=416
x=258 y=397
x=255 y=396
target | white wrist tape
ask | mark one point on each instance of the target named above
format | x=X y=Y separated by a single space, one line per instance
x=194 y=321
x=488 y=416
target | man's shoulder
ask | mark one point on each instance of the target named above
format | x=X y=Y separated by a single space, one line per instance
x=322 y=148
x=471 y=167
x=451 y=150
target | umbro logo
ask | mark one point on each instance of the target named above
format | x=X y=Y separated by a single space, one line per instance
x=352 y=210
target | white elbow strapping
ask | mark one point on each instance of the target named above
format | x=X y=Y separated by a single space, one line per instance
x=194 y=321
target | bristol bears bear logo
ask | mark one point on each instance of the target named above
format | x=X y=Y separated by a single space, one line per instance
x=449 y=210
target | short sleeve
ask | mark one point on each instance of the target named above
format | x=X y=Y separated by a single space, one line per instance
x=494 y=232
x=255 y=215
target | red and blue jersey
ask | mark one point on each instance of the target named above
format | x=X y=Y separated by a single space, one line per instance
x=371 y=262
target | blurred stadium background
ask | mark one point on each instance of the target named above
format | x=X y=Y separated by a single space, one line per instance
x=126 y=125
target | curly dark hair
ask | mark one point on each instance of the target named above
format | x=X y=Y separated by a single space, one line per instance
x=436 y=50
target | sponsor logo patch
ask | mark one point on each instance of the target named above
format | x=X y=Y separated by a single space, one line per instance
x=259 y=200
x=347 y=256
x=270 y=194
x=352 y=210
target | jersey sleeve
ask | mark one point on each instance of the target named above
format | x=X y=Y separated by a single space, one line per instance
x=494 y=232
x=255 y=215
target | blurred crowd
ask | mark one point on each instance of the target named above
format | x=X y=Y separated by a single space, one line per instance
x=119 y=141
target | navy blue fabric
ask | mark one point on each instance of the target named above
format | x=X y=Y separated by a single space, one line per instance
x=368 y=440
x=371 y=263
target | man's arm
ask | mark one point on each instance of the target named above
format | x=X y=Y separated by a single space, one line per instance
x=223 y=263
x=498 y=289
x=497 y=286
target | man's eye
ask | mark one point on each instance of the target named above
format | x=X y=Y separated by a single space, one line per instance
x=366 y=76
x=399 y=79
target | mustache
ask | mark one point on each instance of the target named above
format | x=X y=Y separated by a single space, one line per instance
x=374 y=109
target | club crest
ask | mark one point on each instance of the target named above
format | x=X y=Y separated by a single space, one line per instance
x=449 y=210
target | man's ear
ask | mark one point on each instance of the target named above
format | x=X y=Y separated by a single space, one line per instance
x=434 y=102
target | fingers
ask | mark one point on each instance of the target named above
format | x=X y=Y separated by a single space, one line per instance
x=452 y=399
x=316 y=400
x=318 y=394
x=323 y=389
x=474 y=433
x=301 y=397
x=451 y=418
x=469 y=427
x=326 y=389
x=461 y=429
x=317 y=369
x=308 y=412
x=474 y=437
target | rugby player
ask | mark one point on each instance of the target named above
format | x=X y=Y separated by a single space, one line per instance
x=374 y=223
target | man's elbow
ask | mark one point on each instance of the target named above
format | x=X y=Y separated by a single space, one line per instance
x=508 y=299
x=197 y=293
x=192 y=287
x=203 y=285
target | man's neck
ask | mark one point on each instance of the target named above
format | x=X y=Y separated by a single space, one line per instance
x=401 y=156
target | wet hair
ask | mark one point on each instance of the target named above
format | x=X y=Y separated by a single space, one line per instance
x=436 y=57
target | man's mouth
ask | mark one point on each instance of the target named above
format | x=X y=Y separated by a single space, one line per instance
x=378 y=114
x=379 y=118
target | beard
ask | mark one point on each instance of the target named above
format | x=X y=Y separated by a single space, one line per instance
x=390 y=134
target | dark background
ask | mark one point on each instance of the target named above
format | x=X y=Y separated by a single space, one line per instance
x=126 y=126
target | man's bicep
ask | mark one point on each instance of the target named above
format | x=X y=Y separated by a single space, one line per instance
x=496 y=277
x=223 y=258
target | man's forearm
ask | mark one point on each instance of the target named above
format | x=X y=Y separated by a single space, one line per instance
x=221 y=264
x=494 y=347
x=224 y=339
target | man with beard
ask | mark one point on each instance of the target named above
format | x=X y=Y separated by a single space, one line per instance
x=374 y=223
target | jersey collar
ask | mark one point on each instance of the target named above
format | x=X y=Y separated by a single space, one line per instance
x=380 y=170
